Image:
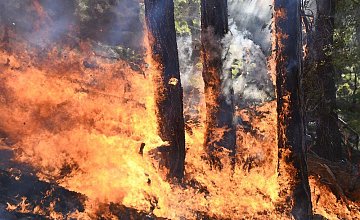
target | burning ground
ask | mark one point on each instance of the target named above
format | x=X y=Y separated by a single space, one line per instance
x=82 y=128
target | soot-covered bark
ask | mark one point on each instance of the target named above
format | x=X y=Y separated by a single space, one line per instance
x=292 y=157
x=159 y=15
x=220 y=130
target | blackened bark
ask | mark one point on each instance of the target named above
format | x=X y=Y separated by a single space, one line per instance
x=294 y=185
x=328 y=136
x=160 y=22
x=220 y=130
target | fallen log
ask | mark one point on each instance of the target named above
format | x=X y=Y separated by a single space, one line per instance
x=343 y=178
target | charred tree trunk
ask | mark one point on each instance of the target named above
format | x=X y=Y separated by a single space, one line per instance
x=328 y=136
x=159 y=15
x=294 y=185
x=220 y=130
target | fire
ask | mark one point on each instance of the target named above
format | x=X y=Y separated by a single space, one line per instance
x=320 y=194
x=83 y=127
x=276 y=63
x=62 y=121
x=22 y=206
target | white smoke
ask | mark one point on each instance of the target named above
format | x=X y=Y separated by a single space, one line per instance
x=247 y=46
x=248 y=66
x=254 y=17
x=187 y=68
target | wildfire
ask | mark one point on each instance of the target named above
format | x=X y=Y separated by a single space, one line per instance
x=92 y=129
x=83 y=128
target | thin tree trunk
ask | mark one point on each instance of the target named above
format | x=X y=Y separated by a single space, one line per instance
x=293 y=178
x=355 y=87
x=159 y=16
x=328 y=141
x=220 y=130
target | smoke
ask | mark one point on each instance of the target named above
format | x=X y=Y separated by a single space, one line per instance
x=40 y=22
x=114 y=22
x=187 y=68
x=191 y=77
x=118 y=23
x=127 y=28
x=253 y=17
x=247 y=46
x=246 y=49
x=248 y=65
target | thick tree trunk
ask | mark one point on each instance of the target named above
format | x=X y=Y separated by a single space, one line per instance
x=328 y=140
x=294 y=185
x=220 y=130
x=159 y=16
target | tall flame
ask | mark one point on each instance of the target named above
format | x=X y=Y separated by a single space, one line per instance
x=83 y=127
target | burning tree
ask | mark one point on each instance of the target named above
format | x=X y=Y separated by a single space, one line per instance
x=292 y=154
x=220 y=130
x=159 y=15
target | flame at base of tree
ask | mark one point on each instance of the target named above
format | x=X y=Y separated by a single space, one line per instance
x=164 y=63
x=292 y=168
x=220 y=135
x=82 y=129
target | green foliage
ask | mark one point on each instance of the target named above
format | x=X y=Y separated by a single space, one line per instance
x=182 y=27
x=346 y=56
x=187 y=16
x=88 y=10
x=236 y=68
